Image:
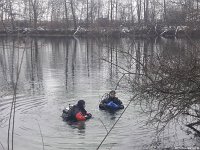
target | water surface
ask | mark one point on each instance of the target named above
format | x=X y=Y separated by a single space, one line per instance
x=57 y=72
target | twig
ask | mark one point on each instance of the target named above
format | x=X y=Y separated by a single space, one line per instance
x=191 y=115
x=2 y=145
x=13 y=105
x=10 y=117
x=193 y=124
x=119 y=81
x=19 y=65
x=104 y=125
x=194 y=129
x=119 y=66
x=116 y=121
x=41 y=134
x=104 y=96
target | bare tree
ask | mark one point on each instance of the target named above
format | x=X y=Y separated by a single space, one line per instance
x=165 y=10
x=139 y=9
x=36 y=11
x=146 y=11
x=66 y=14
x=91 y=11
x=34 y=5
x=111 y=10
x=72 y=3
x=87 y=17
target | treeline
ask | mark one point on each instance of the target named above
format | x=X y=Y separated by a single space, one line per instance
x=97 y=15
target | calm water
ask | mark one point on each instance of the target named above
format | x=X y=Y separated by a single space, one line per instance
x=57 y=72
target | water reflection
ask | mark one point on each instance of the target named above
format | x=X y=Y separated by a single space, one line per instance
x=59 y=71
x=33 y=66
x=67 y=61
x=168 y=90
x=79 y=125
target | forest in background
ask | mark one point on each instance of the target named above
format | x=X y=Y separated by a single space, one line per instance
x=114 y=17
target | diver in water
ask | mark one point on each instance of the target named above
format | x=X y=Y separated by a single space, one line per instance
x=111 y=102
x=76 y=112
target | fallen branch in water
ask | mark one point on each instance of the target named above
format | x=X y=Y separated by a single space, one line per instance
x=116 y=121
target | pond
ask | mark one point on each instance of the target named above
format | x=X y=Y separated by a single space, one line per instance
x=56 y=72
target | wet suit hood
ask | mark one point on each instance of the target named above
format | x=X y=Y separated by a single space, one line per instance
x=81 y=103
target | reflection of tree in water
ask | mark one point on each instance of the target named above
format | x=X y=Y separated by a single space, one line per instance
x=112 y=47
x=16 y=53
x=67 y=61
x=11 y=56
x=170 y=88
x=74 y=57
x=33 y=65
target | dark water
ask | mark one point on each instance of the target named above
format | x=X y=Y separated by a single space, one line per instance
x=57 y=72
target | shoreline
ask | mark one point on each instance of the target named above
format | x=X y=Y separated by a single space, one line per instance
x=95 y=33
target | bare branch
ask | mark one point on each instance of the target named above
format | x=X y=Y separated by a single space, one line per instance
x=41 y=135
x=103 y=125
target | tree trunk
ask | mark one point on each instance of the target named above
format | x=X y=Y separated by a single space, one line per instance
x=152 y=16
x=132 y=15
x=139 y=3
x=98 y=11
x=87 y=18
x=91 y=12
x=11 y=14
x=73 y=14
x=116 y=9
x=66 y=15
x=35 y=12
x=146 y=11
x=197 y=13
x=2 y=20
x=108 y=10
x=165 y=12
x=111 y=10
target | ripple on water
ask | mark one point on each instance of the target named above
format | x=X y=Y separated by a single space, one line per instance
x=24 y=104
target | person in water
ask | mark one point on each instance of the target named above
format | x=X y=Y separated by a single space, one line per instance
x=78 y=112
x=111 y=99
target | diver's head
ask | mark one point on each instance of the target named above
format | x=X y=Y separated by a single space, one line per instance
x=81 y=103
x=112 y=93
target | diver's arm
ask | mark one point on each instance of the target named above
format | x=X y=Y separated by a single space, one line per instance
x=119 y=102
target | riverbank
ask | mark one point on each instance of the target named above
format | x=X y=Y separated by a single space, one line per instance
x=78 y=33
x=179 y=32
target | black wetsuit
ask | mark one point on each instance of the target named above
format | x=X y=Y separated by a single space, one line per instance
x=76 y=112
